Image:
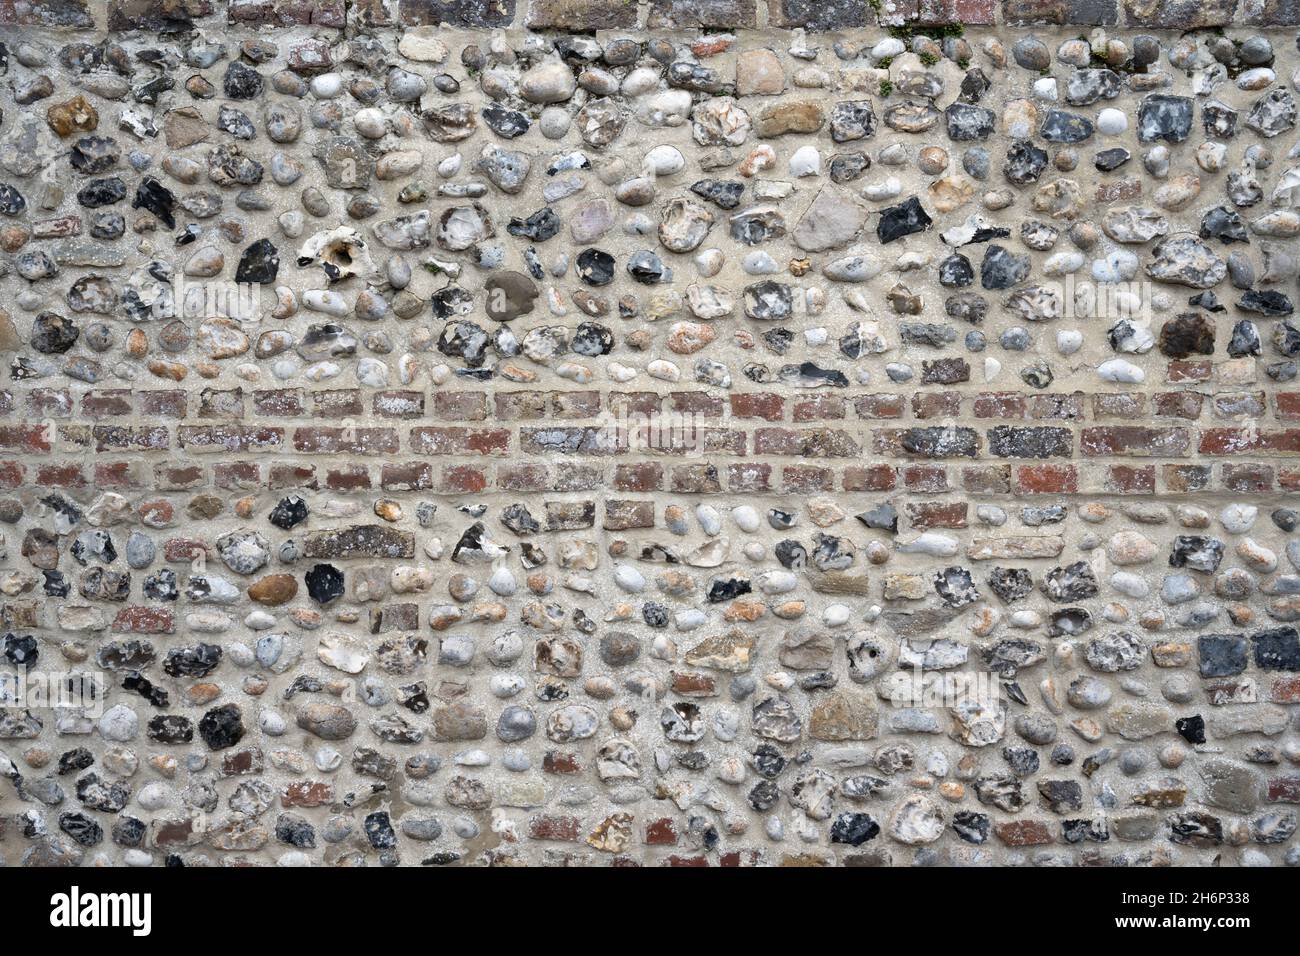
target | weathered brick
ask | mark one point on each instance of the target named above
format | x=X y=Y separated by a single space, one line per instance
x=460 y=406
x=55 y=14
x=806 y=479
x=1179 y=14
x=398 y=403
x=455 y=440
x=212 y=439
x=1061 y=12
x=1247 y=479
x=638 y=476
x=406 y=476
x=170 y=16
x=107 y=403
x=936 y=404
x=763 y=405
x=700 y=479
x=1046 y=479
x=580 y=15
x=524 y=477
x=456 y=13
x=237 y=475
x=832 y=15
x=923 y=515
x=925 y=478
x=1128 y=479
x=749 y=476
x=871 y=478
x=346 y=440
x=1136 y=440
x=570 y=515
x=321 y=13
x=624 y=515
x=279 y=402
x=463 y=480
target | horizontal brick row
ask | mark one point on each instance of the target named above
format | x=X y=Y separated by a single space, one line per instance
x=703 y=477
x=588 y=15
x=939 y=442
x=533 y=405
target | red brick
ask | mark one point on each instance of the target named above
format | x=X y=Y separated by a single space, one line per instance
x=623 y=515
x=398 y=403
x=279 y=402
x=749 y=476
x=870 y=478
x=337 y=403
x=1046 y=479
x=1194 y=370
x=1128 y=479
x=1235 y=441
x=872 y=407
x=819 y=408
x=460 y=406
x=927 y=405
x=463 y=479
x=1186 y=405
x=639 y=476
x=237 y=475
x=563 y=440
x=61 y=475
x=809 y=443
x=117 y=475
x=229 y=438
x=923 y=515
x=569 y=476
x=1287 y=405
x=1182 y=478
x=1000 y=405
x=128 y=438
x=701 y=479
x=511 y=406
x=1137 y=440
x=1285 y=690
x=454 y=440
x=1284 y=789
x=144 y=620
x=172 y=477
x=32 y=439
x=806 y=479
x=697 y=403
x=348 y=478
x=522 y=478
x=289 y=475
x=554 y=826
x=345 y=440
x=321 y=13
x=408 y=476
x=1119 y=404
x=1056 y=406
x=1247 y=478
x=1023 y=832
x=107 y=403
x=635 y=403
x=661 y=832
x=558 y=762
x=163 y=403
x=307 y=793
x=925 y=478
x=763 y=405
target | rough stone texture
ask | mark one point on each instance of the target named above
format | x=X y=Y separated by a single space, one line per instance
x=340 y=344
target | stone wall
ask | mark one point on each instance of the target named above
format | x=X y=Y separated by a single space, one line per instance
x=589 y=432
